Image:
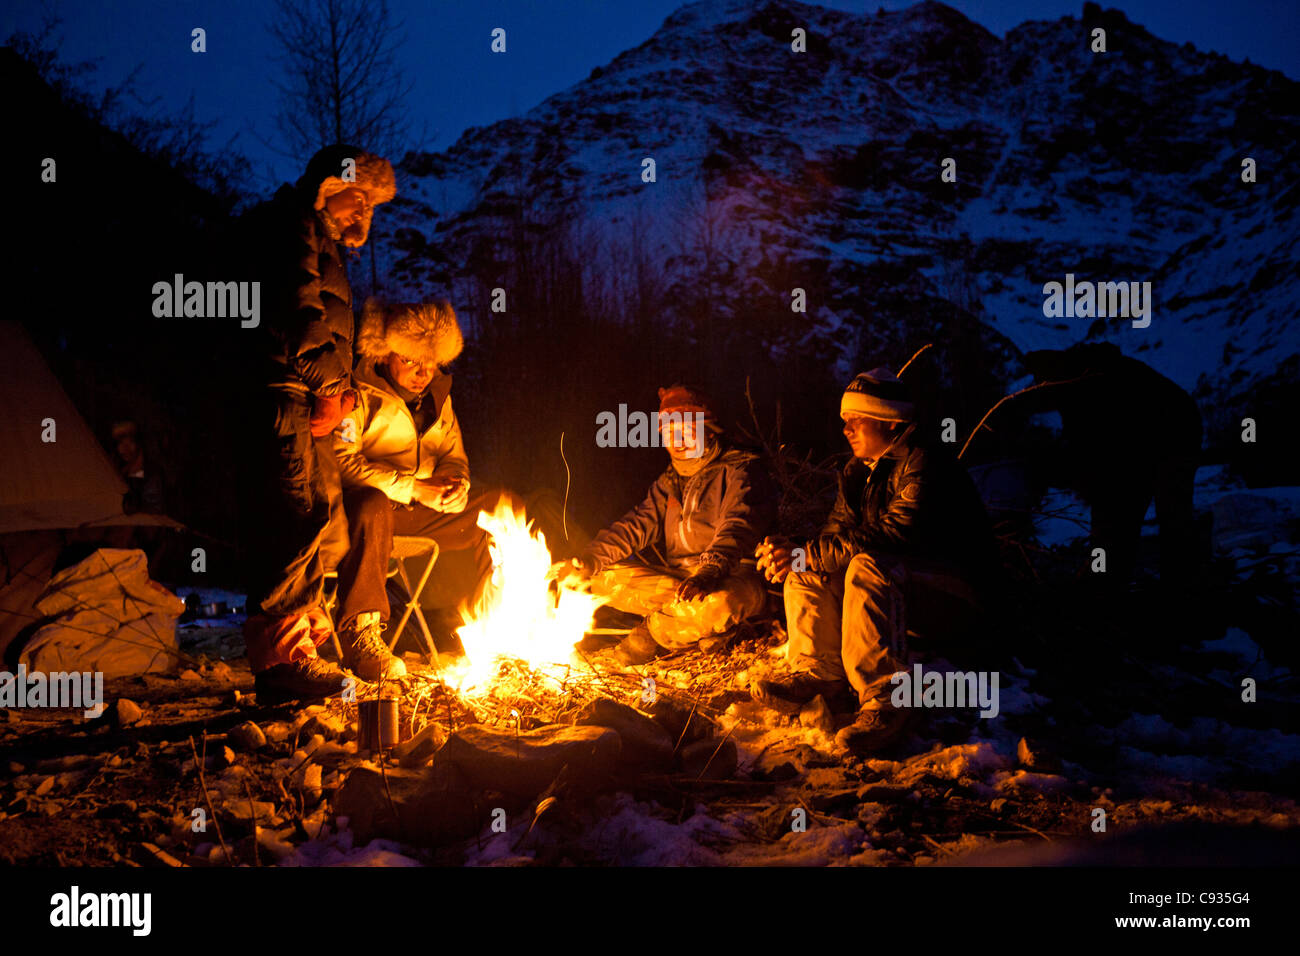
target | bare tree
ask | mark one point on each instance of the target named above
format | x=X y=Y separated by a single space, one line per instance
x=341 y=83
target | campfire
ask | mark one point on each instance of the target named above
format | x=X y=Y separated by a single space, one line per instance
x=523 y=615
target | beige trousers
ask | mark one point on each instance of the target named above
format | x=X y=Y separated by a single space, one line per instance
x=855 y=625
x=649 y=591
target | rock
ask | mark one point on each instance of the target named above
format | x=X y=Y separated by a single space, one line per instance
x=247 y=736
x=329 y=726
x=787 y=759
x=278 y=731
x=673 y=717
x=829 y=801
x=189 y=674
x=15 y=768
x=417 y=751
x=221 y=671
x=700 y=760
x=646 y=745
x=1031 y=755
x=778 y=772
x=434 y=806
x=241 y=812
x=126 y=712
x=524 y=764
x=223 y=758
x=308 y=779
x=883 y=793
x=816 y=715
x=119 y=810
x=44 y=787
x=828 y=778
x=997 y=805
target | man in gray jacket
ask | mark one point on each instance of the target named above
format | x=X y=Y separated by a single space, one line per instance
x=702 y=520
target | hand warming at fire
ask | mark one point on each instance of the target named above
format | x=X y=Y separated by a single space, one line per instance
x=774 y=559
x=570 y=573
x=442 y=493
x=703 y=582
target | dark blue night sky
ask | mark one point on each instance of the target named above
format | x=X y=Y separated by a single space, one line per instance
x=459 y=83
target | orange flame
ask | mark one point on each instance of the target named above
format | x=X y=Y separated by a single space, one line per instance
x=518 y=615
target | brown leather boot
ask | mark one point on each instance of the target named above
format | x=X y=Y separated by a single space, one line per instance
x=367 y=655
x=637 y=648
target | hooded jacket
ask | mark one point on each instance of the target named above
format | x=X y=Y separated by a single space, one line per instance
x=377 y=443
x=717 y=516
x=917 y=502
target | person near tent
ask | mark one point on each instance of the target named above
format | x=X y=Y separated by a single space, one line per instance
x=907 y=546
x=143 y=477
x=403 y=462
x=292 y=497
x=704 y=515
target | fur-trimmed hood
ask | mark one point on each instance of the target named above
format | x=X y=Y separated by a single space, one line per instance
x=426 y=331
x=339 y=167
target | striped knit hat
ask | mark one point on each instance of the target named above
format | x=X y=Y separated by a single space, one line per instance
x=877 y=394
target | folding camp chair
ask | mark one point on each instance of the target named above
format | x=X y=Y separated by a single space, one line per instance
x=404 y=546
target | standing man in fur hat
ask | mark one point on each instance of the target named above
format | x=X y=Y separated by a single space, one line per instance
x=702 y=518
x=404 y=466
x=292 y=498
x=907 y=544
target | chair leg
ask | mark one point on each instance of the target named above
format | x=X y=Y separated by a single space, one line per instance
x=428 y=637
x=406 y=611
x=412 y=598
x=331 y=603
x=413 y=607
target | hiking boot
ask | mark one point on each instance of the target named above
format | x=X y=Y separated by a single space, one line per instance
x=367 y=656
x=789 y=694
x=719 y=643
x=713 y=644
x=637 y=648
x=307 y=677
x=872 y=730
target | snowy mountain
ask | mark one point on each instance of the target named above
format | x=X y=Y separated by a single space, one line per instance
x=821 y=170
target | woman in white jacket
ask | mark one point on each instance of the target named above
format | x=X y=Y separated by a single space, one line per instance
x=404 y=469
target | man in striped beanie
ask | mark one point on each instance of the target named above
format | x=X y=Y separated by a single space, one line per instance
x=906 y=546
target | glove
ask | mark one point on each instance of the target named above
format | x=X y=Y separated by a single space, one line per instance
x=704 y=581
x=326 y=413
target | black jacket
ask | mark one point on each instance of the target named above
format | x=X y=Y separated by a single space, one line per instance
x=918 y=502
x=306 y=297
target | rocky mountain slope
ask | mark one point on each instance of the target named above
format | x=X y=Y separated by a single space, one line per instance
x=822 y=170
